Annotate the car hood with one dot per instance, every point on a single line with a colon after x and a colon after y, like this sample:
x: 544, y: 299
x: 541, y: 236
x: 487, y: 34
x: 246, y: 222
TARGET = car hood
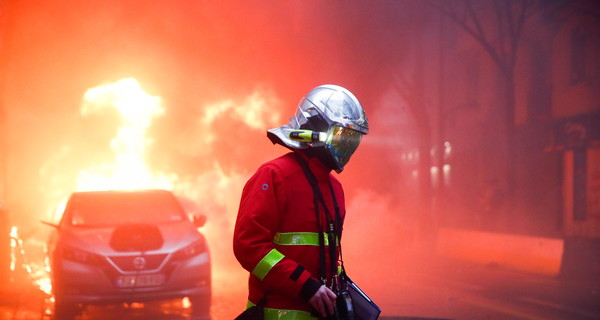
x: 173, y: 236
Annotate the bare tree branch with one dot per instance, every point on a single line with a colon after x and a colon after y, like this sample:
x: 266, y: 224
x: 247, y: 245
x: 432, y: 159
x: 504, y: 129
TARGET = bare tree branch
x: 404, y: 87
x: 508, y: 9
x: 516, y: 29
x: 478, y: 36
x: 476, y: 22
x: 500, y: 29
x: 511, y: 16
x: 407, y: 89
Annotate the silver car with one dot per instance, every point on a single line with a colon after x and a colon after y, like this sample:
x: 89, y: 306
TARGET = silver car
x: 128, y: 246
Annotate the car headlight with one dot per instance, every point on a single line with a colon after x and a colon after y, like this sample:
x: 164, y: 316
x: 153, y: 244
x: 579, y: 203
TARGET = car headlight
x: 191, y: 250
x: 69, y: 253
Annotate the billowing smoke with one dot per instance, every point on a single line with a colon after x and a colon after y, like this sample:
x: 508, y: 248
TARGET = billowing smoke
x: 210, y: 63
x: 224, y: 72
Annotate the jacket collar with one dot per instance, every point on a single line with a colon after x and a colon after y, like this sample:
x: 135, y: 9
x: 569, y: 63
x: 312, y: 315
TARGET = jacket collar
x: 315, y: 165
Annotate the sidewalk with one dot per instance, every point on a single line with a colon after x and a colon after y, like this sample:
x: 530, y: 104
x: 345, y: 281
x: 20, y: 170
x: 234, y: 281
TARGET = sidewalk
x: 418, y: 284
x: 576, y: 259
x: 20, y: 299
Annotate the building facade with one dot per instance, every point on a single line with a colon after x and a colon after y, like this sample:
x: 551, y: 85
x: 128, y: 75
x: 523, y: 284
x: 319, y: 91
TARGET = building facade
x: 552, y: 152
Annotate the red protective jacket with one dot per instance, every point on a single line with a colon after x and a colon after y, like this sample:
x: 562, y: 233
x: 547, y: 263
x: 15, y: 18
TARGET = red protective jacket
x: 276, y: 236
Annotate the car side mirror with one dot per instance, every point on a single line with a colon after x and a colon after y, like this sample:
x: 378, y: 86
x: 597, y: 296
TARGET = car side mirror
x: 199, y: 220
x: 50, y: 224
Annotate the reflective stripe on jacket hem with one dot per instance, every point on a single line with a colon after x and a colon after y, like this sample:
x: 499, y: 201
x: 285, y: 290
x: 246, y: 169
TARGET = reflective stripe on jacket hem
x: 266, y: 263
x: 281, y: 314
x: 284, y: 314
x: 299, y: 238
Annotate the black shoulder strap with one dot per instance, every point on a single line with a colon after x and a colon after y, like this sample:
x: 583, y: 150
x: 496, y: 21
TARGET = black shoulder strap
x: 317, y: 191
x: 333, y: 228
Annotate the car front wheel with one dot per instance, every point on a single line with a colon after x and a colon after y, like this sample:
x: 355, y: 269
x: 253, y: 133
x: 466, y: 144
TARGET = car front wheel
x: 200, y: 306
x: 65, y: 311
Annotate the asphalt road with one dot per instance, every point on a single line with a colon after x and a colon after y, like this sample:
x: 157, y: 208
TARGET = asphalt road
x: 405, y: 287
x: 435, y: 288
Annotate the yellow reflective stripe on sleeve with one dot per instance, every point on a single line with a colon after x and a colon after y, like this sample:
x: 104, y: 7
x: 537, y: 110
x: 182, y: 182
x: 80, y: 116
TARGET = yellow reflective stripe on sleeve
x: 282, y: 314
x: 266, y: 263
x: 299, y: 238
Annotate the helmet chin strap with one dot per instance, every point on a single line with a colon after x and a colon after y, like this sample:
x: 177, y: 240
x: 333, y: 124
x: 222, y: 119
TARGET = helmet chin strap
x: 324, y: 156
x: 319, y: 152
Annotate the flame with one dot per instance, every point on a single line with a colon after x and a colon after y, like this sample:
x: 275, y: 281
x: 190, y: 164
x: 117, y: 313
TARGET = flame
x: 137, y: 109
x: 20, y: 261
x: 256, y: 112
x: 14, y: 248
x: 214, y: 192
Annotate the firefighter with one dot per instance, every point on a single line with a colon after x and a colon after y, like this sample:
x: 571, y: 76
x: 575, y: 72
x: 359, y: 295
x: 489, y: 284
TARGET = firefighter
x: 277, y: 231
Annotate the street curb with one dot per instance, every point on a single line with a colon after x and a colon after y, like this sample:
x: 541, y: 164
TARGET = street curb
x: 537, y: 255
x: 410, y: 318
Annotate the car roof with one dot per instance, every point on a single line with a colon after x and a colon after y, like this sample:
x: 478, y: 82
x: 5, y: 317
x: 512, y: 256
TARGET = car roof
x: 118, y: 192
x: 108, y: 195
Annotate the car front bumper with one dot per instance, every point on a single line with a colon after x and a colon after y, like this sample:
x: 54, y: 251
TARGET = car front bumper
x: 81, y: 283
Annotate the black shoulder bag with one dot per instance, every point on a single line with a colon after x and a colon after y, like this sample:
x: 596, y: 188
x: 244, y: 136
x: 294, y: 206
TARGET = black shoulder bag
x: 352, y: 303
x: 255, y: 312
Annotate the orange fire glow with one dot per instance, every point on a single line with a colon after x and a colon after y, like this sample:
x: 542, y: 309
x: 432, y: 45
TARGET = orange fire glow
x: 214, y: 191
x: 137, y: 109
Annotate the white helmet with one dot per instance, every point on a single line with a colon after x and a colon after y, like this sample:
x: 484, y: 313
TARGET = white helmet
x: 330, y: 123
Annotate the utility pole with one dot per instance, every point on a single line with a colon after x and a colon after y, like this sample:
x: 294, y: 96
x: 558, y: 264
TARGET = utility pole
x: 440, y: 200
x: 3, y: 124
x: 4, y: 213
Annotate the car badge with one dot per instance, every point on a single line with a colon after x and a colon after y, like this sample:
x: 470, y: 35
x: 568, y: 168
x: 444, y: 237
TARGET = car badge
x: 139, y: 263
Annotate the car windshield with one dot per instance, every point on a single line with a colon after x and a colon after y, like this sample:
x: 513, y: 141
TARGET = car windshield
x: 96, y: 209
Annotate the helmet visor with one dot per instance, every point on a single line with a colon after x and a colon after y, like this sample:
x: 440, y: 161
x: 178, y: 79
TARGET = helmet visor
x: 341, y: 143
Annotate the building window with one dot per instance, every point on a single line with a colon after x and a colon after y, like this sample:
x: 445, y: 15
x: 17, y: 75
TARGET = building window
x: 473, y: 81
x: 539, y: 96
x: 593, y: 184
x: 578, y: 56
x: 580, y: 184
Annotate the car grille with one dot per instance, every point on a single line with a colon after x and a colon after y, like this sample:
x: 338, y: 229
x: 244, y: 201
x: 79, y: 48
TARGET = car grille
x: 138, y: 262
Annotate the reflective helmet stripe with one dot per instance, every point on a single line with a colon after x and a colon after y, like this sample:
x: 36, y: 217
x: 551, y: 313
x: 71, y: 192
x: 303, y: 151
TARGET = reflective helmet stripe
x: 299, y: 239
x: 266, y: 263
